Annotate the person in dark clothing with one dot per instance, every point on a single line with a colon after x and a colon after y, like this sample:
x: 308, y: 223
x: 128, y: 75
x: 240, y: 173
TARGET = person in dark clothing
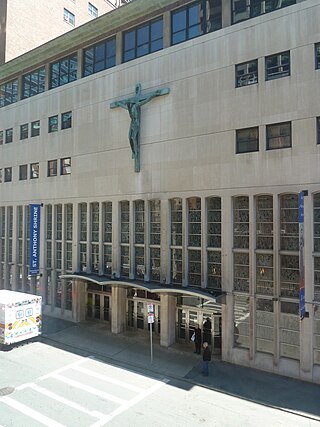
x: 207, y: 331
x: 197, y: 339
x: 206, y: 357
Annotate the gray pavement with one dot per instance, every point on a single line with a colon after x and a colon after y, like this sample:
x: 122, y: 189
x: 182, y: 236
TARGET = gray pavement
x: 180, y: 363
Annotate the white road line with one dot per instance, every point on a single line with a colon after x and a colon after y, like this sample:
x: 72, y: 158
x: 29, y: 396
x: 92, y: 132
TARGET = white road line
x: 65, y: 368
x: 108, y: 379
x: 89, y: 389
x: 61, y: 399
x: 129, y: 404
x: 30, y: 412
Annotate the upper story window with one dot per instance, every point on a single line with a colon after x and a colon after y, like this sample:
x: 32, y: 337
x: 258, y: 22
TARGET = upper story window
x: 1, y: 137
x: 247, y: 140
x: 23, y: 172
x: 278, y: 136
x: 9, y: 136
x: 93, y: 11
x: 8, y: 174
x: 65, y: 166
x: 198, y: 18
x: 99, y: 57
x: 278, y: 65
x: 34, y: 170
x: 52, y: 167
x: 35, y: 128
x: 9, y: 93
x: 63, y: 71
x: 69, y: 17
x: 53, y: 124
x: 318, y: 130
x: 317, y: 55
x: 142, y: 40
x: 24, y: 131
x: 33, y: 83
x: 247, y: 73
x: 246, y: 9
x: 66, y: 120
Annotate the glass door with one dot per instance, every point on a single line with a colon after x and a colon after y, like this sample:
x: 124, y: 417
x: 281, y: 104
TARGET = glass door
x: 140, y: 315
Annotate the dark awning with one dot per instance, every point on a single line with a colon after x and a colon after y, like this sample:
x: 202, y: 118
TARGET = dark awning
x: 216, y: 296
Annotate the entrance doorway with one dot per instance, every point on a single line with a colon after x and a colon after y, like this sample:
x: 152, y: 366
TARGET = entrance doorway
x: 137, y: 315
x: 98, y: 307
x: 207, y: 316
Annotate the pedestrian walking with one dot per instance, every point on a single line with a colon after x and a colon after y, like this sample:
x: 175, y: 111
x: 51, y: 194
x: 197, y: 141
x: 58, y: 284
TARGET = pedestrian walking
x: 206, y: 357
x: 197, y: 339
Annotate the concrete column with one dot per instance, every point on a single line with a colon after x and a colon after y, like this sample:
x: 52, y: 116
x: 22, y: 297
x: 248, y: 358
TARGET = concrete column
x: 204, y: 264
x: 79, y: 290
x: 185, y: 231
x: 227, y: 328
x: 119, y: 38
x: 79, y: 63
x: 115, y: 238
x: 146, y: 240
x: 166, y: 30
x: 15, y: 249
x: 167, y: 319
x: 131, y: 239
x: 226, y: 13
x: 118, y: 309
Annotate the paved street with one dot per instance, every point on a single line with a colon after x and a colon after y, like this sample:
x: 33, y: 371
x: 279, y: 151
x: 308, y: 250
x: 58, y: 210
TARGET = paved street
x: 54, y: 387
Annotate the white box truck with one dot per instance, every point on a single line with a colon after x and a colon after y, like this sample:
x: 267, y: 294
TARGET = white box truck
x: 20, y: 316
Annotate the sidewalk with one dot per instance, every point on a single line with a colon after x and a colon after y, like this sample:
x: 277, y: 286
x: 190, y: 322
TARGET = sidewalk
x: 133, y: 351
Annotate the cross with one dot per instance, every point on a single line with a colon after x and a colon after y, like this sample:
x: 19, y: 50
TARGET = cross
x: 133, y: 105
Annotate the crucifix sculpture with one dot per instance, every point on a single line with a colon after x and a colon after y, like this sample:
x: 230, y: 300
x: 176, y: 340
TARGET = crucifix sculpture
x: 133, y: 105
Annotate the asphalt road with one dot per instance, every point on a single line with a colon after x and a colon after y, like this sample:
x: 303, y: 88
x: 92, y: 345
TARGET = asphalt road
x: 43, y: 385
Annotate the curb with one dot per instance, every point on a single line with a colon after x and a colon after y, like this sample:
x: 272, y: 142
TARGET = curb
x: 116, y: 362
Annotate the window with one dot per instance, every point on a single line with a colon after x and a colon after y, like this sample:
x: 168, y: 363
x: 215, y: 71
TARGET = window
x: 99, y: 57
x: 247, y: 73
x: 279, y: 136
x: 52, y: 168
x: 9, y: 93
x: 289, y: 330
x: 65, y: 166
x: 188, y: 22
x: 139, y: 230
x: 278, y: 65
x: 23, y: 172
x: 9, y: 136
x: 246, y: 9
x: 318, y: 130
x: 176, y: 241
x: 53, y: 124
x: 24, y: 131
x: 8, y: 174
x: 241, y: 318
x: 35, y: 128
x: 33, y: 83
x: 265, y: 320
x: 143, y: 40
x: 1, y: 137
x: 124, y: 238
x: 66, y: 120
x: 214, y: 242
x: 69, y: 17
x: 247, y: 140
x: 34, y: 170
x: 317, y: 55
x: 107, y: 238
x: 93, y: 11
x: 63, y: 71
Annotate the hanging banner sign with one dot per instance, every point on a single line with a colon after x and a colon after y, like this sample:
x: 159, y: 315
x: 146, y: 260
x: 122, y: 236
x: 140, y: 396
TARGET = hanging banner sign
x: 34, y: 240
x: 302, y: 305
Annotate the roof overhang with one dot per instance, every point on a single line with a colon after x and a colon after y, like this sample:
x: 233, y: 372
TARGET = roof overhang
x: 216, y: 296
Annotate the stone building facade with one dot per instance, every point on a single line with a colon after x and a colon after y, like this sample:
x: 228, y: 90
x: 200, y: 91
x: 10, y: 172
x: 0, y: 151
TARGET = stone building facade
x: 209, y: 227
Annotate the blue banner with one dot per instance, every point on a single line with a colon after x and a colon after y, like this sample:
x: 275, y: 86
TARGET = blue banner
x: 302, y: 305
x: 34, y: 240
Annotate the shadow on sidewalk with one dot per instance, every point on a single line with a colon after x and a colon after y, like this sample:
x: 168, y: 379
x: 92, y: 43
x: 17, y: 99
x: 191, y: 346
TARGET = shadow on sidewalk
x: 132, y: 352
x: 262, y: 387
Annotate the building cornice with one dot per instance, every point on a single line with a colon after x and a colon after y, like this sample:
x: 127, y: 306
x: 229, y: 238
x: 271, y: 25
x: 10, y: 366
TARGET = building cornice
x: 100, y: 28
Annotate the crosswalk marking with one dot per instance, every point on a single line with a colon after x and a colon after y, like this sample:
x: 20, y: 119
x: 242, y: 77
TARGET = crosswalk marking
x: 129, y: 404
x: 61, y: 399
x: 89, y: 389
x: 108, y: 379
x: 27, y: 411
x: 60, y: 370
